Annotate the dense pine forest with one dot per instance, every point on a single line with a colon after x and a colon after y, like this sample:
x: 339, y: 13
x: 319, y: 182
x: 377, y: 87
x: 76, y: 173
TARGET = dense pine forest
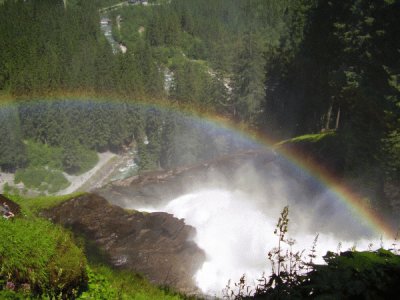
x: 285, y: 68
x: 82, y: 77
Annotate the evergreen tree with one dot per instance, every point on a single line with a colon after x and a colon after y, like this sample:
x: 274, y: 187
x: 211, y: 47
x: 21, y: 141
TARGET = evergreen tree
x: 12, y: 149
x: 249, y: 79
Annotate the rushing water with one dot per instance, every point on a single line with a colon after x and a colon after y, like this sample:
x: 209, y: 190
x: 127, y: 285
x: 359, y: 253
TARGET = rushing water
x: 236, y: 236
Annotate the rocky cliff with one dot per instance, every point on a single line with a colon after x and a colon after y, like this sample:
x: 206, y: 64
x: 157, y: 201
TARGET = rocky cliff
x: 156, y: 245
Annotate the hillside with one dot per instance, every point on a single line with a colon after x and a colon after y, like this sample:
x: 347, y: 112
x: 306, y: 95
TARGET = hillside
x: 39, y: 259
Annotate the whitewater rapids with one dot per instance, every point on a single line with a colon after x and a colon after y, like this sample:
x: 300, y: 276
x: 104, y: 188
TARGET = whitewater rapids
x: 236, y: 236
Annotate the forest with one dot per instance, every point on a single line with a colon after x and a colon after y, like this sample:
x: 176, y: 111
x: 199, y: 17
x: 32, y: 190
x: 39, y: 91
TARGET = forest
x: 321, y: 76
x: 285, y: 68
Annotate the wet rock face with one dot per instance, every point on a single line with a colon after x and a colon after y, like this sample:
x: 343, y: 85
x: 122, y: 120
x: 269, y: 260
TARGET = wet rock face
x: 156, y: 245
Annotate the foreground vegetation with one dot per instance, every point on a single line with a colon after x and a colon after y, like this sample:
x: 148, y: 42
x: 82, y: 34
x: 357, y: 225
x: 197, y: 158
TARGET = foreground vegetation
x: 346, y: 275
x: 41, y: 260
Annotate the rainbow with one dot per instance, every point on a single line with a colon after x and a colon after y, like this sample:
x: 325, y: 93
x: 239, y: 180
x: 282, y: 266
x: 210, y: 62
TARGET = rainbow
x: 354, y: 202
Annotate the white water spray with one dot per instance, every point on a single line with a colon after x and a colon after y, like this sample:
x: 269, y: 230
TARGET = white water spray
x: 236, y: 236
x: 235, y: 217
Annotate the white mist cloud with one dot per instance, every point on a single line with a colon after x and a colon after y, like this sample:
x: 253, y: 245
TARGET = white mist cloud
x: 230, y: 230
x: 237, y: 236
x: 235, y: 214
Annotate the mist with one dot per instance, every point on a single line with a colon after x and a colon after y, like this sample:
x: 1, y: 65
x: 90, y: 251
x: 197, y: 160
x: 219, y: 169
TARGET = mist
x: 235, y: 215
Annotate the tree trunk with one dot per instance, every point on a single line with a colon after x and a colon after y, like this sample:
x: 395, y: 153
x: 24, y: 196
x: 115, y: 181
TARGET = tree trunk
x: 337, y: 119
x: 328, y: 116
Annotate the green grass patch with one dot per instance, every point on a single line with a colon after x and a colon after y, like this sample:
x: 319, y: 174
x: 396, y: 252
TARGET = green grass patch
x: 307, y: 138
x: 106, y: 283
x: 32, y: 206
x: 39, y: 258
x: 365, y: 260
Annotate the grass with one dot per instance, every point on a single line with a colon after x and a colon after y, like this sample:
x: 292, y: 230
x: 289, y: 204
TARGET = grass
x: 307, y: 138
x: 106, y: 283
x: 35, y: 253
x: 40, y: 260
x: 32, y: 206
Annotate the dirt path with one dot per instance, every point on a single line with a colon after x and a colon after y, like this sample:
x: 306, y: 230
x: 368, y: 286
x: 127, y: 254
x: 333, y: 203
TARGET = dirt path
x: 87, y: 179
x: 94, y: 178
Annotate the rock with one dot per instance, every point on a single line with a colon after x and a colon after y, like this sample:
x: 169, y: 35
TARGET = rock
x: 155, y: 188
x: 14, y: 207
x: 157, y: 245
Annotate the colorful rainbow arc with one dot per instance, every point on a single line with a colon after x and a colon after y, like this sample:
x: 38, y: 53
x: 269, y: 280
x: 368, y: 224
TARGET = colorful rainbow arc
x: 351, y: 200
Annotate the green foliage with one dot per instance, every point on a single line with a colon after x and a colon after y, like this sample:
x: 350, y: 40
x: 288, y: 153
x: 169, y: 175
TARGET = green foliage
x: 42, y: 155
x: 12, y: 149
x: 34, y: 205
x: 249, y: 79
x: 392, y: 153
x: 308, y: 138
x: 346, y: 275
x: 42, y: 179
x: 362, y: 275
x: 351, y: 83
x: 77, y: 159
x: 105, y: 283
x: 326, y: 148
x: 37, y: 254
x: 40, y: 260
x: 98, y: 288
